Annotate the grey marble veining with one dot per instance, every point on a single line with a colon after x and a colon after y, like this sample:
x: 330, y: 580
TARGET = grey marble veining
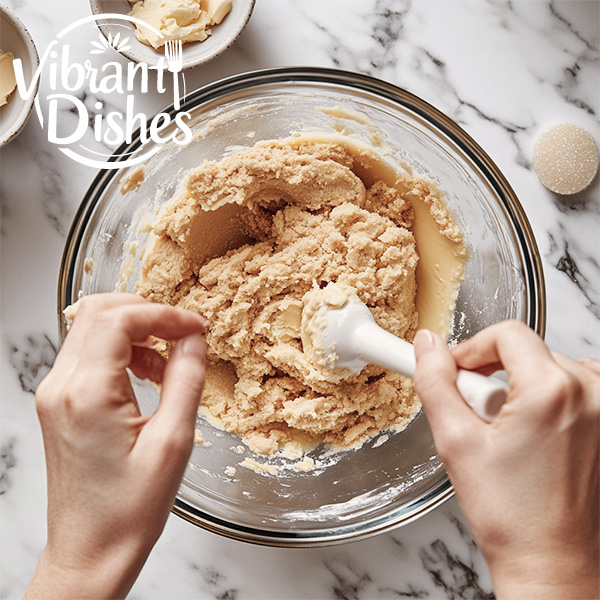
x: 504, y: 71
x: 7, y: 462
x: 32, y: 358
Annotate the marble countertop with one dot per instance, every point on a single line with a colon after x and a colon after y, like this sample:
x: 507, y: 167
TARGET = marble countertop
x: 504, y: 71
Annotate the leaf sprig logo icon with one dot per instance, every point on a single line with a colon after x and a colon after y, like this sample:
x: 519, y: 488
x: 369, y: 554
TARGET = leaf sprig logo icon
x: 120, y: 45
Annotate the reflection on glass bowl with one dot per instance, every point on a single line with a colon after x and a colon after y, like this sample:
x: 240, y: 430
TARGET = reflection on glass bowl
x: 397, y: 476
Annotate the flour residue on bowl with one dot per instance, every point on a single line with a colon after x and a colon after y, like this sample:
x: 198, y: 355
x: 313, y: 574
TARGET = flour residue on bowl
x: 246, y: 238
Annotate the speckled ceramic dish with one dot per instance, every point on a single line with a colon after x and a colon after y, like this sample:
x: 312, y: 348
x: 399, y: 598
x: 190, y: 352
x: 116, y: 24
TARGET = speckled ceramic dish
x: 15, y: 38
x: 397, y: 476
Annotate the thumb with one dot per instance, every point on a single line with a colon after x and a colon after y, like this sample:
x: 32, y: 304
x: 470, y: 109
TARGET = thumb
x: 182, y: 385
x: 435, y: 382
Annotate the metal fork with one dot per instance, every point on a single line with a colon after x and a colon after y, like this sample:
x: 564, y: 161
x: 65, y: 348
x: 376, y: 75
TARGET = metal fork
x: 174, y: 57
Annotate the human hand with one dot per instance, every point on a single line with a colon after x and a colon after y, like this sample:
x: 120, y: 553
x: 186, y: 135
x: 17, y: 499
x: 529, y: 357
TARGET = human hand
x: 528, y: 482
x: 113, y: 473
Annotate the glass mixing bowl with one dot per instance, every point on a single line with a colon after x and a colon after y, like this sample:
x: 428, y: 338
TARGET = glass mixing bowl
x: 395, y: 477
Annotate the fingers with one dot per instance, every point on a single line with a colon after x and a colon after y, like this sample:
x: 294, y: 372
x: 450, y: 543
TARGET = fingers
x: 182, y: 385
x: 509, y: 345
x: 85, y: 309
x: 435, y: 381
x: 546, y: 388
x: 107, y: 325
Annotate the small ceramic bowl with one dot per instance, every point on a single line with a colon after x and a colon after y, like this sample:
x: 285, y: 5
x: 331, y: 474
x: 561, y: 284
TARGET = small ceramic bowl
x: 194, y: 53
x: 16, y: 39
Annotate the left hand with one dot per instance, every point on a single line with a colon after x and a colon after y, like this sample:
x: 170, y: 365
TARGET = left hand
x: 113, y: 473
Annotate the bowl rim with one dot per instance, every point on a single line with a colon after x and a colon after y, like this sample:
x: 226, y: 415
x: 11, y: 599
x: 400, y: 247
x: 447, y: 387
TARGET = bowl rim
x: 34, y: 61
x: 317, y: 537
x: 532, y: 267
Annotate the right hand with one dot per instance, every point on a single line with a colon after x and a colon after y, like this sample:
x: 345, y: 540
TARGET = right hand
x: 528, y: 482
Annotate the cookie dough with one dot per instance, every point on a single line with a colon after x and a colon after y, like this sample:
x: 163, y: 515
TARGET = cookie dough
x: 315, y: 343
x: 246, y: 238
x: 133, y: 181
